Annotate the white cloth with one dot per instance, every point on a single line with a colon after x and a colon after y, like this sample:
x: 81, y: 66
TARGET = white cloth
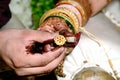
x: 21, y: 15
x: 14, y: 22
x: 88, y: 49
x: 112, y: 11
x: 22, y: 10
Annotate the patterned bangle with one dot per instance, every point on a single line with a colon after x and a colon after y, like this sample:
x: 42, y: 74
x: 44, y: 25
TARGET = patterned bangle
x: 83, y: 7
x: 64, y: 17
x: 73, y: 17
x: 69, y: 15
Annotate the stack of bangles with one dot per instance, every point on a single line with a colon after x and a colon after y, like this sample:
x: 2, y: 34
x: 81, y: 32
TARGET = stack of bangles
x: 75, y: 13
x: 67, y: 17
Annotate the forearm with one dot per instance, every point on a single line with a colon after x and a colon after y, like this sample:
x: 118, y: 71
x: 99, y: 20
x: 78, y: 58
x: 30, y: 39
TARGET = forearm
x: 98, y: 5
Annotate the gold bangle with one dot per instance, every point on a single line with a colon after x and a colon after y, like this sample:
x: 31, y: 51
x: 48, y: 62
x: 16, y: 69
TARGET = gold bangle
x: 73, y: 4
x: 65, y: 18
x: 83, y: 7
x: 73, y: 17
x: 65, y: 11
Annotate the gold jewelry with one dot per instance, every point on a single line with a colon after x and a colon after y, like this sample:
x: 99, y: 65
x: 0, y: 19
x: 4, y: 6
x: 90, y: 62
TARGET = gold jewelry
x: 83, y: 7
x: 66, y: 18
x: 72, y: 17
x: 60, y: 40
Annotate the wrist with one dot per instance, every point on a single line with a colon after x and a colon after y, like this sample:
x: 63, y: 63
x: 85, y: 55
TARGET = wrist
x: 76, y: 12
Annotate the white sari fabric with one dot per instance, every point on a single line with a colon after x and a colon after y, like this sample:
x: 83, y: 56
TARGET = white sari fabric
x: 88, y: 50
x: 112, y: 11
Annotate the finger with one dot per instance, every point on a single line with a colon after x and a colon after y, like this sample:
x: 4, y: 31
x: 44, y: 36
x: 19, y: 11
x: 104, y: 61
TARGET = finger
x: 44, y: 59
x: 47, y: 48
x: 41, y: 36
x: 41, y: 70
x: 47, y: 28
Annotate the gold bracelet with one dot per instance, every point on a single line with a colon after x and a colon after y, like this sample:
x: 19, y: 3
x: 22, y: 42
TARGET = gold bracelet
x: 66, y: 12
x: 65, y: 18
x: 79, y: 9
x: 73, y: 17
x: 83, y: 7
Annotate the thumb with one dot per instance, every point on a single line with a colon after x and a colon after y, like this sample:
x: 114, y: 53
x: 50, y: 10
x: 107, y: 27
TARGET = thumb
x: 42, y: 36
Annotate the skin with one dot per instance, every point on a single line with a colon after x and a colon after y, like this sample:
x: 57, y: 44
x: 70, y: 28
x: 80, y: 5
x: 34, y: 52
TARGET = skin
x: 97, y: 5
x: 13, y: 51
